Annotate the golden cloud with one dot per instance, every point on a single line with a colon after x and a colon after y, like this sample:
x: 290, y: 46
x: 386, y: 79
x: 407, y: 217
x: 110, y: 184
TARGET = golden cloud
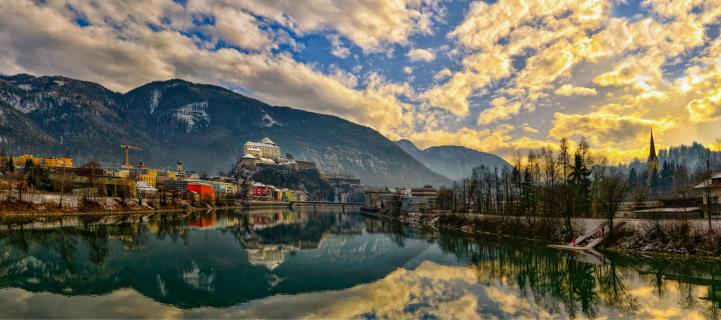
x: 705, y: 109
x: 608, y: 132
x: 500, y: 110
x: 569, y: 90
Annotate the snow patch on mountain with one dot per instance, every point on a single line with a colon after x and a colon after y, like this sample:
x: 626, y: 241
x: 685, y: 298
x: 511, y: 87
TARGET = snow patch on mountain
x: 192, y: 116
x: 25, y: 87
x: 154, y: 100
x: 268, y: 121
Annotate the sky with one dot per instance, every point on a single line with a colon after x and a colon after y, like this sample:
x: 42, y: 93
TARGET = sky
x: 495, y: 76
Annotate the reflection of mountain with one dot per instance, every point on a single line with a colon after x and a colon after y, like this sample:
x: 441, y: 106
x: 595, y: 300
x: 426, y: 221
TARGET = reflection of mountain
x: 174, y: 263
x: 502, y: 280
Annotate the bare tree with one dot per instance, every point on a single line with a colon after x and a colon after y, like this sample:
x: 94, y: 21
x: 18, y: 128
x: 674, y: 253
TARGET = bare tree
x: 612, y: 190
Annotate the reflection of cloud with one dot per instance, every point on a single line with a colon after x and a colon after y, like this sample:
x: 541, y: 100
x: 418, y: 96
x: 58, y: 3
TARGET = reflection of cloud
x: 430, y: 290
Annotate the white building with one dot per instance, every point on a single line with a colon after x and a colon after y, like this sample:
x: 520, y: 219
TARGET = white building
x: 264, y: 150
x: 711, y: 192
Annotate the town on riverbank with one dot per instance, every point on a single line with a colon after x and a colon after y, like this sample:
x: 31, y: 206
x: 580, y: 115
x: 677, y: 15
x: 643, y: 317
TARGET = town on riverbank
x: 262, y: 177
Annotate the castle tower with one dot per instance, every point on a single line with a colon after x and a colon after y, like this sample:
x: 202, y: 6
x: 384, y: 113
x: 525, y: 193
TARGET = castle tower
x: 652, y: 161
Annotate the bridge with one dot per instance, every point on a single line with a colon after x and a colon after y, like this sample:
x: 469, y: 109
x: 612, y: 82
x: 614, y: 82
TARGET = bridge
x: 316, y: 204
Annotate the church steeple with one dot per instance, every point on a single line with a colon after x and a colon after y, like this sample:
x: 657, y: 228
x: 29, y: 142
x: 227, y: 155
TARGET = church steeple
x: 652, y: 149
x: 652, y: 161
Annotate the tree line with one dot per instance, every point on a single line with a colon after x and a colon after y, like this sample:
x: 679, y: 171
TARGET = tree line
x: 560, y: 184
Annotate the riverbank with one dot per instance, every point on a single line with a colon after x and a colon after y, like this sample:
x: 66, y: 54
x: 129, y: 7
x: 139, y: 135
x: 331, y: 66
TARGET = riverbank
x: 689, y: 237
x: 59, y: 205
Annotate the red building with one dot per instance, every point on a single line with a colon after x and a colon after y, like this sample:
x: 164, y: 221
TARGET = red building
x: 260, y: 190
x: 205, y: 191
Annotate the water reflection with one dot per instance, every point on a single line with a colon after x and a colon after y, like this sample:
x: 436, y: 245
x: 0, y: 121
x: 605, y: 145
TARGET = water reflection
x: 287, y: 264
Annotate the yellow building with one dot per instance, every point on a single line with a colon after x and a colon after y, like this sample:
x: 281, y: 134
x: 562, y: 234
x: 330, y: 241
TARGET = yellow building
x: 149, y: 176
x: 57, y: 162
x: 265, y: 149
x: 60, y: 162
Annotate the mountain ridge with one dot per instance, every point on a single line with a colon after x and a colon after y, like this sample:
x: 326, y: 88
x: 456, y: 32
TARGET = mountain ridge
x: 203, y: 125
x: 454, y: 162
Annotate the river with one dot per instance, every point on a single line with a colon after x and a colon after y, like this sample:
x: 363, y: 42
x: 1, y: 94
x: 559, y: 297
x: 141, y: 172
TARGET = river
x: 325, y: 264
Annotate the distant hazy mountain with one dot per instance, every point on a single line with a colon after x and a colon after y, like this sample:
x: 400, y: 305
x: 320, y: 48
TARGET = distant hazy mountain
x: 203, y: 125
x: 453, y: 162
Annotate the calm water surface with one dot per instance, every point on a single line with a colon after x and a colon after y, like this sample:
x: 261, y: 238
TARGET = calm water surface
x: 291, y: 264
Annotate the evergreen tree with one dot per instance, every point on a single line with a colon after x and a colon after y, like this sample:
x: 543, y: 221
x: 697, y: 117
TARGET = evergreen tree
x: 11, y: 165
x: 29, y: 166
x: 579, y: 179
x: 654, y: 182
x: 632, y: 177
x: 666, y: 177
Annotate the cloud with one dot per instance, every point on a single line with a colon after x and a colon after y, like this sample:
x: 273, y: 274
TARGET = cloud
x: 367, y: 23
x: 658, y: 66
x: 55, y: 45
x: 569, y: 90
x: 527, y: 128
x: 500, y: 109
x: 442, y: 74
x: 705, y: 109
x: 337, y: 48
x: 479, y: 70
x: 606, y: 129
x: 636, y: 71
x: 421, y: 55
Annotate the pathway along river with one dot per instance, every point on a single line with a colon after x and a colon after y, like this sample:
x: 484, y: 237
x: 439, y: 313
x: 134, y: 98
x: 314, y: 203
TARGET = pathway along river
x: 290, y: 264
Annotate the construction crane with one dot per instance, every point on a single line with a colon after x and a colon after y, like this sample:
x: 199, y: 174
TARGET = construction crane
x: 125, y: 147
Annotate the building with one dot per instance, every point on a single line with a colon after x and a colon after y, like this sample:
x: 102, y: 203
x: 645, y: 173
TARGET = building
x: 60, y: 162
x: 305, y: 165
x: 265, y: 149
x: 248, y: 161
x: 260, y: 190
x: 147, y: 175
x: 224, y: 189
x: 93, y: 178
x: 711, y: 192
x: 205, y: 191
x: 346, y: 189
x: 652, y: 161
x: 424, y: 196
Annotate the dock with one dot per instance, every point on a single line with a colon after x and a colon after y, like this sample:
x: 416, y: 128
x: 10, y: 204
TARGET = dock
x: 588, y: 240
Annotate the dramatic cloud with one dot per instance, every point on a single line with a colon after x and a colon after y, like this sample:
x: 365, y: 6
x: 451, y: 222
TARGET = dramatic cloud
x: 407, y: 68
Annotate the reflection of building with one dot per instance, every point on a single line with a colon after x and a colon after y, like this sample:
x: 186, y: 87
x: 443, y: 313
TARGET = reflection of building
x: 269, y: 256
x: 264, y: 150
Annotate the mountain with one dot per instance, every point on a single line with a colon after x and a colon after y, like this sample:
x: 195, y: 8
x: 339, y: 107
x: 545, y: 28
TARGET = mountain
x: 454, y: 162
x: 204, y: 126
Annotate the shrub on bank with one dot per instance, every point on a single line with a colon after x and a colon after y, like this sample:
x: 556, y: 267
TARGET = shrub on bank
x: 546, y: 229
x: 677, y: 237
